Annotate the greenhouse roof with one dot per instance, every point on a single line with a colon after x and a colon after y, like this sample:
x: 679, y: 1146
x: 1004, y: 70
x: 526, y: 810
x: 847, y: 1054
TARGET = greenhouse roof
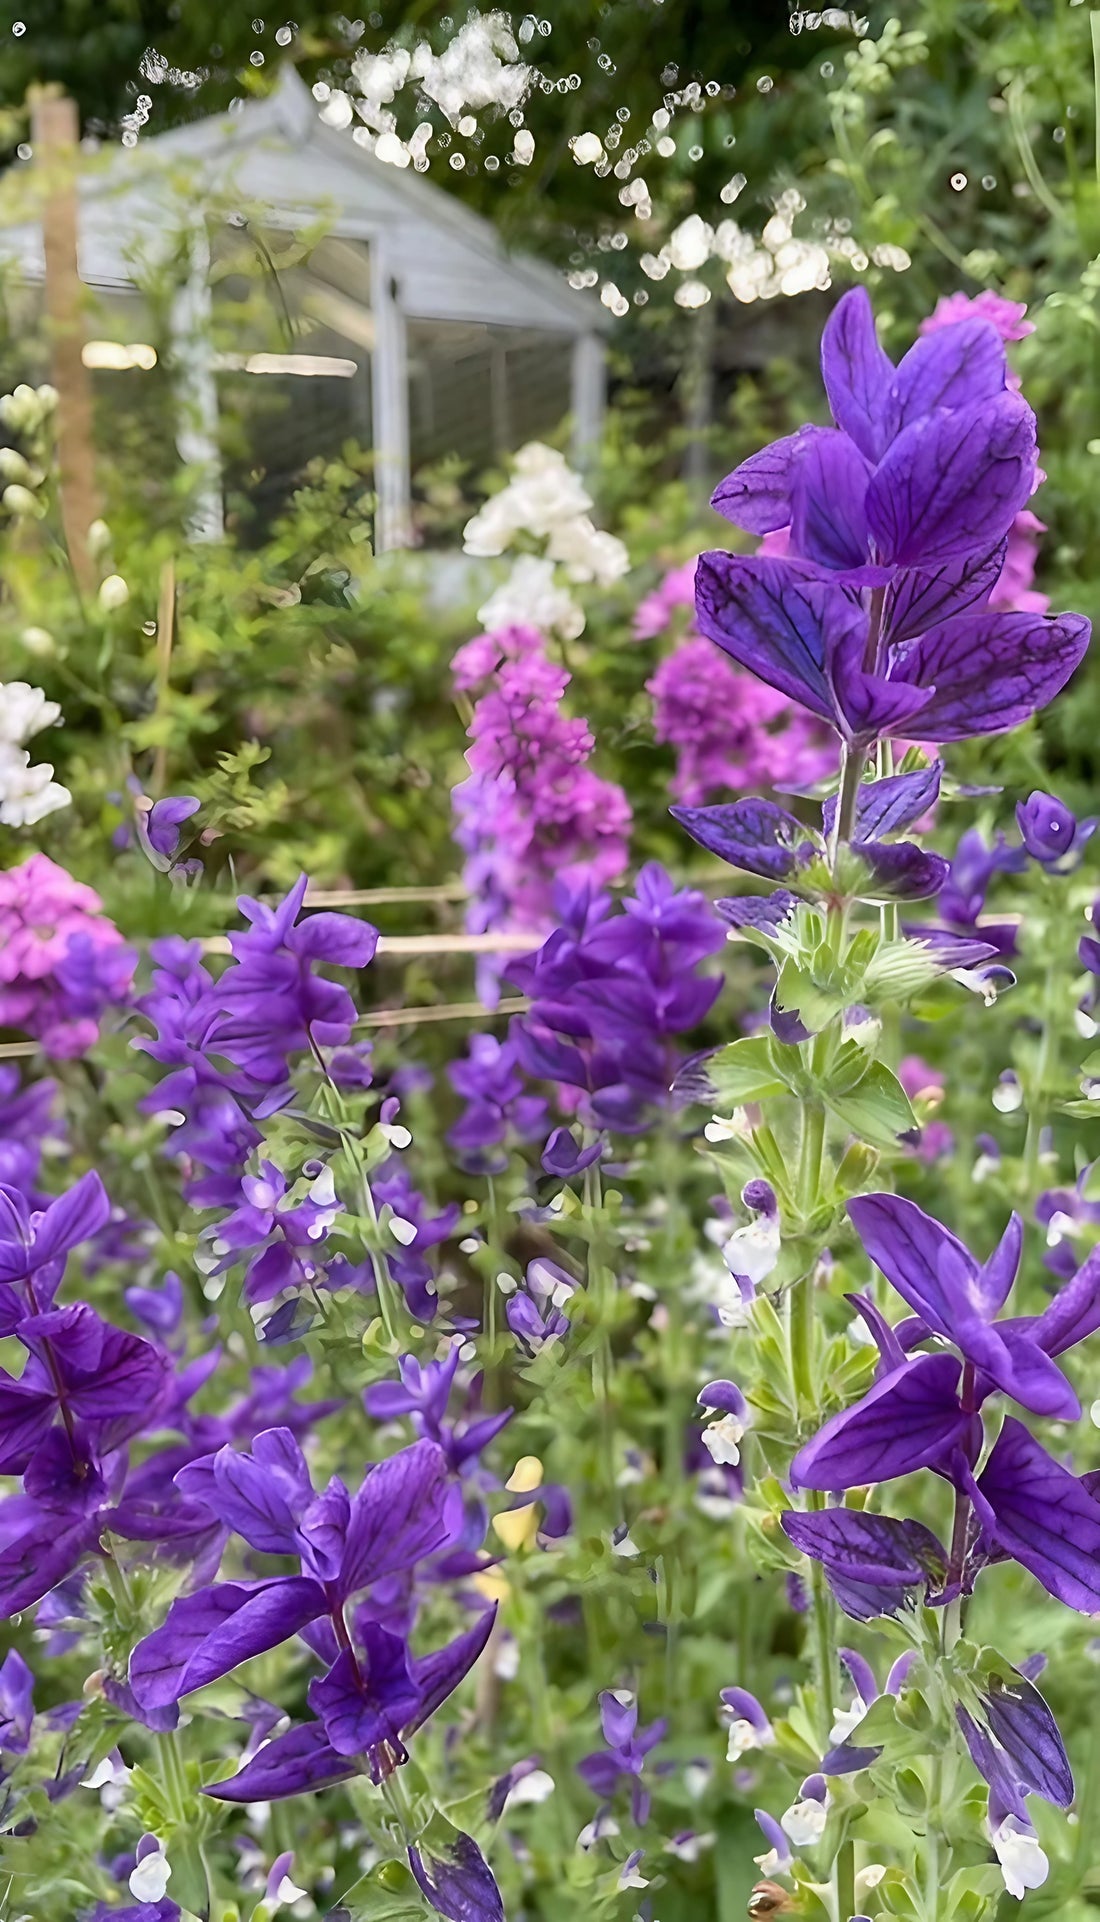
x: 277, y: 153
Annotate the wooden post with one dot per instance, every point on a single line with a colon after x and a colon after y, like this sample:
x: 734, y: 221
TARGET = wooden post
x: 55, y: 132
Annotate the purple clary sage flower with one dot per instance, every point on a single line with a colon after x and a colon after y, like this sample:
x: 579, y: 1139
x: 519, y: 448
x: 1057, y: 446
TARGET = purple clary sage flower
x: 491, y: 1084
x: 625, y: 1753
x: 424, y: 1392
x: 878, y: 620
x: 159, y: 825
x: 404, y: 1509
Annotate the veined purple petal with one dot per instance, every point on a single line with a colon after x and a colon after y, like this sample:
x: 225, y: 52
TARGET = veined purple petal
x: 362, y: 1710
x: 457, y: 1881
x: 71, y: 1219
x: 776, y: 622
x: 439, y: 1674
x: 1040, y: 1514
x: 929, y: 1266
x: 902, y: 871
x: 861, y: 1672
x: 990, y: 671
x: 757, y: 495
x: 909, y: 1420
x: 405, y: 1508
x: 952, y: 482
x: 992, y: 1763
x: 1075, y: 1311
x: 858, y: 372
x: 756, y: 836
x: 882, y: 807
x: 956, y: 367
x: 763, y: 911
x: 876, y: 1549
x: 297, y: 1763
x: 1021, y: 1722
x: 828, y: 520
x: 207, y: 1634
x: 923, y: 598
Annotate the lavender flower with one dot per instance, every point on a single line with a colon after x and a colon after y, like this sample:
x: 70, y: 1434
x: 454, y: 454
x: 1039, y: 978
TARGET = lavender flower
x: 625, y: 1753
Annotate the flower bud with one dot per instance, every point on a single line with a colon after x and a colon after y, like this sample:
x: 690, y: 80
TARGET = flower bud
x: 1051, y: 834
x: 38, y: 640
x: 20, y: 501
x: 113, y: 593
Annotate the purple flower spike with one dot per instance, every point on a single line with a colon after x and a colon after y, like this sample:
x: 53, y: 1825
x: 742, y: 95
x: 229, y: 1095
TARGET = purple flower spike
x: 16, y: 1703
x: 1051, y: 834
x: 624, y: 1756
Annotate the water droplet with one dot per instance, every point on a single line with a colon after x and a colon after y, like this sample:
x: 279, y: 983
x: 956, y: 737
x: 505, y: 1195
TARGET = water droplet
x: 827, y: 69
x: 640, y: 299
x: 257, y: 26
x: 1058, y: 136
x: 730, y: 140
x: 458, y: 161
x: 19, y: 28
x: 491, y: 163
x: 283, y: 37
x: 544, y: 28
x: 989, y: 181
x: 765, y: 83
x: 467, y: 125
x: 666, y: 147
x: 24, y: 151
x: 622, y: 114
x: 605, y: 62
x: 958, y: 182
x: 256, y: 59
x: 148, y: 627
x: 618, y: 241
x: 695, y: 153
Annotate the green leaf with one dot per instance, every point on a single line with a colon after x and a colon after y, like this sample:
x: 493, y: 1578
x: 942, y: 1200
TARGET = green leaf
x: 877, y: 1109
x: 744, y: 1071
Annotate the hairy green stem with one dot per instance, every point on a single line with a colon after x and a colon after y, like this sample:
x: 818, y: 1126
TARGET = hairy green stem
x: 844, y: 1880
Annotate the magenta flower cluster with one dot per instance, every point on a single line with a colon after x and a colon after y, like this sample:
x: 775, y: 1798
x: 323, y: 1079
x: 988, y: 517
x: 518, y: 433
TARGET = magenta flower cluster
x: 533, y: 810
x: 62, y: 962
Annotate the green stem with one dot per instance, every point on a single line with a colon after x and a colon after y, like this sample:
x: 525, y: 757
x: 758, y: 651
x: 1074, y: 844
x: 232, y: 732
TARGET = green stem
x: 932, y: 1838
x: 1044, y: 1073
x: 1094, y: 26
x: 824, y: 1661
x: 844, y: 1876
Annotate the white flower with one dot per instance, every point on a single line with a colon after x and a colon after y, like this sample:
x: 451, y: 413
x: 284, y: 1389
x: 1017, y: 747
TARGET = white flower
x: 721, y: 1439
x: 1023, y: 1864
x: 752, y: 1251
x: 149, y: 1880
x: 492, y: 528
x: 744, y: 1735
x: 847, y: 1720
x: 24, y: 710
x: 805, y: 1822
x: 531, y: 1788
x: 113, y: 593
x: 27, y: 794
x: 530, y: 597
x: 588, y: 552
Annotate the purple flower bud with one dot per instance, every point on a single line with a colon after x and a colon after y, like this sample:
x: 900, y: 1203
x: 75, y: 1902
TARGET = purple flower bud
x: 1051, y: 834
x: 778, y: 1858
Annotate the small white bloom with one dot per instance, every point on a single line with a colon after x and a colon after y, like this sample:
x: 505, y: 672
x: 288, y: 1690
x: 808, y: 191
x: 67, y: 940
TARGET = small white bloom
x: 869, y: 1878
x: 98, y: 537
x: 289, y: 1891
x: 588, y: 553
x: 531, y: 597
x: 623, y: 1546
x: 805, y: 1822
x: 601, y: 1827
x: 402, y: 1230
x: 149, y: 1880
x: 24, y: 710
x: 535, y: 1788
x: 690, y: 1847
x: 722, y: 1440
x: 113, y: 593
x: 753, y: 1251
x: 847, y: 1719
x: 744, y: 1735
x: 27, y: 794
x: 1023, y: 1864
x: 506, y: 1659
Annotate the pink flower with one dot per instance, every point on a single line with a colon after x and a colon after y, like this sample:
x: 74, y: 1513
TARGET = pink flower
x: 729, y: 730
x: 653, y: 615
x: 62, y: 962
x: 1007, y: 316
x: 918, y: 1079
x: 479, y: 658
